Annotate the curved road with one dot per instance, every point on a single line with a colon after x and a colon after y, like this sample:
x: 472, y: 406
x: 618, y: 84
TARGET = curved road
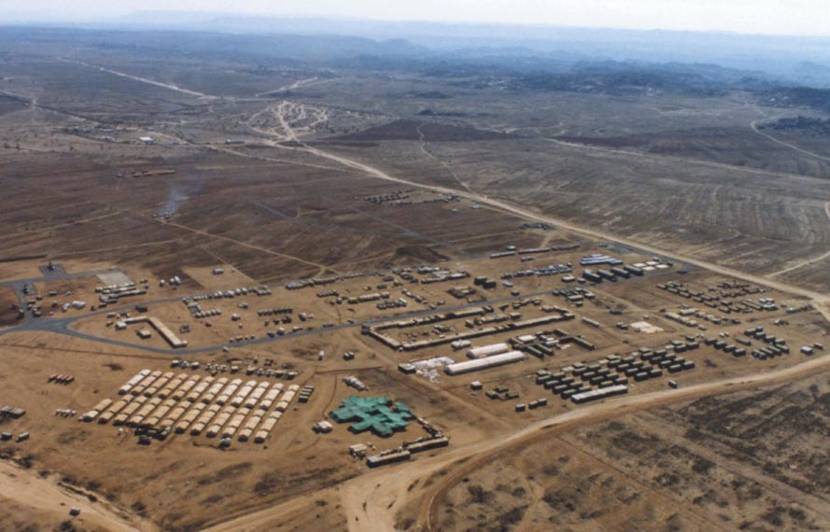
x: 820, y: 299
x: 371, y: 508
x: 28, y: 488
x: 372, y: 500
x: 64, y: 325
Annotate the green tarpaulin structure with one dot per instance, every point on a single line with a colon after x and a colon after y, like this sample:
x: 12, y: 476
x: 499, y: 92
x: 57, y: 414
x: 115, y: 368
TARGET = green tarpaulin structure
x: 378, y: 414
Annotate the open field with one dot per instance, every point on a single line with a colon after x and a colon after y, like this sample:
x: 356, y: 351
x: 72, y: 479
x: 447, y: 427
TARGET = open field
x: 729, y: 472
x: 320, y: 231
x: 711, y: 216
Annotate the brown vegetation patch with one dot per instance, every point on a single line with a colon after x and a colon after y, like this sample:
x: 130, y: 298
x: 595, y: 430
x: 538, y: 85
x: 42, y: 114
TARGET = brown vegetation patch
x: 9, y: 312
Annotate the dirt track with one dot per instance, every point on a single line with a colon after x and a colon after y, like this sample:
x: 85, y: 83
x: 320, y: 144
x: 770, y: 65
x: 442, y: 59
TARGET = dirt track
x: 155, y: 83
x: 267, y: 251
x: 806, y: 262
x: 372, y: 501
x: 754, y: 126
x: 443, y: 163
x: 25, y: 487
x: 820, y: 300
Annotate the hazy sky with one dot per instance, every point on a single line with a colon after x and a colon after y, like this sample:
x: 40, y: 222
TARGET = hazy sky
x: 793, y: 17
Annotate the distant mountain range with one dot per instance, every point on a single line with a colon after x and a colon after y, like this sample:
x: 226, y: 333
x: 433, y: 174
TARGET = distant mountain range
x: 609, y: 43
x: 799, y: 60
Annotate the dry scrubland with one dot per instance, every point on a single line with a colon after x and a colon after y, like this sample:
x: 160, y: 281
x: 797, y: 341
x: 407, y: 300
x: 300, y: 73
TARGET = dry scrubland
x: 750, y: 461
x: 736, y: 217
x: 281, y: 170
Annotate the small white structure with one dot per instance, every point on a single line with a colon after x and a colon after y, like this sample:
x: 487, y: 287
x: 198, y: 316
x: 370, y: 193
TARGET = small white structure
x: 358, y: 450
x: 323, y: 427
x: 645, y: 327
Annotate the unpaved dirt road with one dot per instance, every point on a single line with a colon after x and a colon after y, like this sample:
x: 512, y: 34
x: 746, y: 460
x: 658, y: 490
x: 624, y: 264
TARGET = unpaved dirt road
x: 447, y: 166
x: 821, y: 300
x: 148, y: 81
x: 27, y: 488
x: 807, y: 262
x: 267, y: 251
x: 290, y: 87
x: 371, y: 501
x: 600, y: 412
x: 754, y: 126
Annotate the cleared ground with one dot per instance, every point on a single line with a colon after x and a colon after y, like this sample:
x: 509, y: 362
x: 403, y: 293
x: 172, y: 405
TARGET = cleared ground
x: 278, y: 171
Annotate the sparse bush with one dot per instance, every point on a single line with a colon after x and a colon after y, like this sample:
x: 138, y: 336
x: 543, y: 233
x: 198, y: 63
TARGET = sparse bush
x: 479, y: 495
x: 26, y: 461
x: 267, y: 484
x: 702, y: 466
x: 550, y: 470
x: 139, y: 508
x: 797, y: 514
x: 667, y: 479
x: 67, y: 526
x: 773, y: 516
x: 513, y: 516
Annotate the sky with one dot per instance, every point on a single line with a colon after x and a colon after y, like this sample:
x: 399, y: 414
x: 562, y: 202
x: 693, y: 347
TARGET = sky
x: 781, y: 17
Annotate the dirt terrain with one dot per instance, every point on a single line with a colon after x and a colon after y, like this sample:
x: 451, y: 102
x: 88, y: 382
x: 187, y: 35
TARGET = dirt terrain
x: 9, y: 313
x: 286, y: 217
x: 650, y: 469
x: 642, y: 472
x: 45, y: 500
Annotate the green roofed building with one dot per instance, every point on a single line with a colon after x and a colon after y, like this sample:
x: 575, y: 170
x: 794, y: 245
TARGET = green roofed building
x: 379, y: 414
